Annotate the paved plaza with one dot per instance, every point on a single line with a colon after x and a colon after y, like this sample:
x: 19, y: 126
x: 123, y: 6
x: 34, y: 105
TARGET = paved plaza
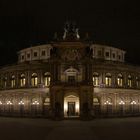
x: 43, y: 129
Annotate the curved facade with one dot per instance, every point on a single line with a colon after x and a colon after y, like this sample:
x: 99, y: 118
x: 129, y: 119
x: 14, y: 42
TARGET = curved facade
x: 70, y: 78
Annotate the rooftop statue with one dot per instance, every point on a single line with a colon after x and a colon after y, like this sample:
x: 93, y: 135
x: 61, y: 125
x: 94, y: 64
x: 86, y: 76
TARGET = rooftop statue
x: 70, y: 31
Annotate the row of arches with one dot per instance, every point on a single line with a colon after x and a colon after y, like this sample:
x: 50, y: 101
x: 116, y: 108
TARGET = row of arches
x: 120, y: 106
x: 23, y: 106
x: 22, y: 80
x: 120, y: 80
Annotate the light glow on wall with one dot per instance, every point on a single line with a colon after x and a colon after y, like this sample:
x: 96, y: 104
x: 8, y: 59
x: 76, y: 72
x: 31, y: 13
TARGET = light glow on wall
x: 9, y: 103
x: 107, y: 103
x: 121, y: 102
x: 35, y: 103
x: 21, y: 103
x: 133, y: 103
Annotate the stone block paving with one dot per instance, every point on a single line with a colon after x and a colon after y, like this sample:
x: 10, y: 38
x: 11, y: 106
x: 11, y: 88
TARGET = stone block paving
x: 43, y: 129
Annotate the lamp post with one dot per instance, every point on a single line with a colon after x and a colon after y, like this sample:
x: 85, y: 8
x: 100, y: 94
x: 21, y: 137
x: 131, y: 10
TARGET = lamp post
x: 35, y: 104
x: 121, y: 103
x: 0, y: 107
x: 108, y: 105
x: 21, y: 104
x: 133, y: 103
x: 9, y: 103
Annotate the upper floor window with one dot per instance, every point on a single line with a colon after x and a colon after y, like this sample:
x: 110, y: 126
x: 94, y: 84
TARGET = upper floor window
x: 34, y: 79
x: 35, y: 54
x: 137, y: 82
x: 108, y: 79
x: 47, y: 79
x: 99, y: 53
x: 119, y: 57
x: 129, y: 81
x: 120, y: 80
x: 71, y: 79
x: 95, y: 79
x: 113, y: 55
x: 13, y: 81
x: 107, y: 54
x: 28, y: 55
x: 71, y: 75
x: 22, y: 80
x: 43, y: 53
x: 5, y: 82
x: 22, y: 57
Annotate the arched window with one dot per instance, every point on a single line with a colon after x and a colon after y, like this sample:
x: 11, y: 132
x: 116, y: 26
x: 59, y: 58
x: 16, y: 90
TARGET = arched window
x: 47, y: 79
x: 108, y: 105
x: 137, y: 82
x: 22, y: 80
x: 120, y: 80
x: 95, y: 79
x: 13, y: 81
x: 129, y: 81
x: 96, y: 101
x: 34, y: 79
x: 108, y: 79
x: 47, y: 101
x: 71, y: 75
x: 4, y: 82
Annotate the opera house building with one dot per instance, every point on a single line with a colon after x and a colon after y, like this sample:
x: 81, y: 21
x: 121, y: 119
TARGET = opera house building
x: 70, y: 77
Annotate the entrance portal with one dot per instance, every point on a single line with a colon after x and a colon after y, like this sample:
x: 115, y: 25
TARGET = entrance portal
x: 71, y: 106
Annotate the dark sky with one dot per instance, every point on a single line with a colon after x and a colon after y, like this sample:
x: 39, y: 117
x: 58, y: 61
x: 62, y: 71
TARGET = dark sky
x: 26, y: 22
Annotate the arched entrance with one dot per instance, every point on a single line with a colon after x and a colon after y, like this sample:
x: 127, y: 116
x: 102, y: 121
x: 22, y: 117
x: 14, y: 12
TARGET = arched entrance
x: 71, y: 105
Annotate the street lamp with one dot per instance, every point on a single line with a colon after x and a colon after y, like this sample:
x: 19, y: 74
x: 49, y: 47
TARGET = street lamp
x: 9, y: 103
x: 133, y: 103
x: 21, y: 104
x: 108, y: 106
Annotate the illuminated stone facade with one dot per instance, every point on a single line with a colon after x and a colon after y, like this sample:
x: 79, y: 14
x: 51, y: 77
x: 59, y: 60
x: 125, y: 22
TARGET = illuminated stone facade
x: 70, y: 77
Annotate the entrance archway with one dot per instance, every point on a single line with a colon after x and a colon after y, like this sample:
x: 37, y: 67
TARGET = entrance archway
x: 71, y: 105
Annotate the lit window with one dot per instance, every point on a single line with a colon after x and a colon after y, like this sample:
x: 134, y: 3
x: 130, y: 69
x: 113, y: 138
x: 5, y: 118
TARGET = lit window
x: 47, y: 101
x: 22, y: 80
x: 96, y: 101
x: 120, y: 80
x: 129, y: 81
x: 95, y: 79
x: 13, y: 81
x: 47, y: 79
x: 108, y: 79
x: 34, y: 79
x: 137, y: 82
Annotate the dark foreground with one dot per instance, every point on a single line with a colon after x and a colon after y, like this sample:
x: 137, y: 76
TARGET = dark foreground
x: 43, y: 129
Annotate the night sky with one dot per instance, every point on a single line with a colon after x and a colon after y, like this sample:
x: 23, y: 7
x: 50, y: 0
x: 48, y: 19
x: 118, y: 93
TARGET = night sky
x: 26, y: 22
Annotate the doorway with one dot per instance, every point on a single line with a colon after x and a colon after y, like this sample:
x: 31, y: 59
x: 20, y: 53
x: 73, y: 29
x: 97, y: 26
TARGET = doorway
x: 71, y: 106
x: 71, y: 109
